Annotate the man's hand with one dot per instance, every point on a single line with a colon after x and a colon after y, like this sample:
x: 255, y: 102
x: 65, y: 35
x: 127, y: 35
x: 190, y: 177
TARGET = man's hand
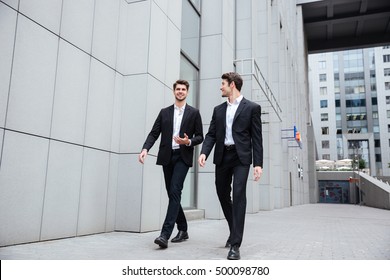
x: 142, y: 156
x: 202, y: 160
x: 258, y: 171
x: 182, y: 141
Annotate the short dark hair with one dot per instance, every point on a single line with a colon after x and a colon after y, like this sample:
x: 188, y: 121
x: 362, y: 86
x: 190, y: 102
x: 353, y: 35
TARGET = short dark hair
x: 233, y: 77
x: 181, y: 82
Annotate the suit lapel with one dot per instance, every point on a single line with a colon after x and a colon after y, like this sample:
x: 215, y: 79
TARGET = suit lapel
x: 187, y: 112
x: 224, y: 108
x: 170, y: 118
x: 240, y: 108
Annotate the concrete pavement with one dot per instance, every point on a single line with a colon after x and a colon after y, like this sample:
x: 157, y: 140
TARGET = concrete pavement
x: 304, y: 232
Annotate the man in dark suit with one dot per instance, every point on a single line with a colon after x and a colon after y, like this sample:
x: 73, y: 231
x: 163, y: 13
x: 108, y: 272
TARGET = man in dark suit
x: 180, y: 126
x: 236, y: 132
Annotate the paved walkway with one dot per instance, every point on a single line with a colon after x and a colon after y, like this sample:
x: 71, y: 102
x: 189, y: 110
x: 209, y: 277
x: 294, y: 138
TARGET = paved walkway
x: 305, y: 232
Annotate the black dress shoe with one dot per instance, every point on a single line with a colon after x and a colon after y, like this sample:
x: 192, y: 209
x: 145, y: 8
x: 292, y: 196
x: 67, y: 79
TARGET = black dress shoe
x: 161, y: 241
x: 234, y: 253
x: 181, y: 236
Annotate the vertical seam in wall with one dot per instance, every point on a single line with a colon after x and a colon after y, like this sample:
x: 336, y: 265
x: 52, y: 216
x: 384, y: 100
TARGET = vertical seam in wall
x: 120, y: 137
x: 112, y: 117
x: 117, y: 36
x: 109, y: 164
x: 120, y: 117
x: 85, y: 122
x: 197, y: 105
x: 235, y: 31
x: 9, y: 87
x: 107, y: 191
x: 166, y: 44
x: 147, y: 74
x: 150, y: 28
x: 51, y: 124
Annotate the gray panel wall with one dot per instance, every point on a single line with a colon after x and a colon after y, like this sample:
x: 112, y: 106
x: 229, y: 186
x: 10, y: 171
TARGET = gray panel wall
x: 81, y: 84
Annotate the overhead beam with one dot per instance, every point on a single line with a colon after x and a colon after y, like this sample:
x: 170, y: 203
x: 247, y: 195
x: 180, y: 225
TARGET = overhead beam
x: 344, y: 19
x: 373, y: 40
x: 323, y: 3
x: 301, y: 2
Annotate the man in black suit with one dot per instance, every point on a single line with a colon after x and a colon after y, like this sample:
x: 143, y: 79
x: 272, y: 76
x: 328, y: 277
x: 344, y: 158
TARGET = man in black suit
x: 180, y: 126
x: 236, y: 132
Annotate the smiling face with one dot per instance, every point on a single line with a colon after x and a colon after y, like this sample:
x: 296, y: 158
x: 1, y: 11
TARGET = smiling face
x: 180, y: 92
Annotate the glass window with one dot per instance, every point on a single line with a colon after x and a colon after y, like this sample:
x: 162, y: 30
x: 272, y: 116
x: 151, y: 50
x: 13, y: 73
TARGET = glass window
x: 324, y: 117
x: 325, y: 144
x: 326, y: 156
x: 356, y: 117
x: 321, y: 64
x: 325, y: 130
x: 386, y: 71
x: 324, y: 103
x: 337, y: 102
x: 355, y: 89
x: 190, y: 32
x: 190, y: 73
x: 355, y: 103
x: 386, y: 58
x: 387, y: 85
x: 387, y: 99
x: 322, y: 77
x: 354, y: 76
x: 323, y: 91
x: 372, y: 59
x: 377, y: 143
x: 189, y: 70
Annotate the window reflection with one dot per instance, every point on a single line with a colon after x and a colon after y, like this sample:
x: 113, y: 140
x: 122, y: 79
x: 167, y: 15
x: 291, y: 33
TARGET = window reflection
x: 189, y: 70
x: 190, y: 32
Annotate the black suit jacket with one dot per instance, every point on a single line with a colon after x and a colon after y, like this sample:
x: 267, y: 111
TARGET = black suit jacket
x: 191, y: 124
x: 246, y: 131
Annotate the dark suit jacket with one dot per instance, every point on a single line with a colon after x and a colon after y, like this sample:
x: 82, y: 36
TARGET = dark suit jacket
x: 191, y: 124
x: 246, y: 131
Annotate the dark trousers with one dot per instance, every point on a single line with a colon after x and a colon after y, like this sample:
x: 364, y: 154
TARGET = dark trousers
x: 174, y: 174
x: 231, y: 169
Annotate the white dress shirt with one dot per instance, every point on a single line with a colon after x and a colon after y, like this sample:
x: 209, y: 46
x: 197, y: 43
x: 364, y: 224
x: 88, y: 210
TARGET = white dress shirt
x: 230, y: 112
x: 177, y: 118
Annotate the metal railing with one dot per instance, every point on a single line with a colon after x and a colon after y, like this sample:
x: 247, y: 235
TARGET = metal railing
x: 254, y: 71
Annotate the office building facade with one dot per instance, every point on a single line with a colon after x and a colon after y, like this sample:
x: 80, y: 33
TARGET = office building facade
x: 350, y: 106
x: 83, y: 81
